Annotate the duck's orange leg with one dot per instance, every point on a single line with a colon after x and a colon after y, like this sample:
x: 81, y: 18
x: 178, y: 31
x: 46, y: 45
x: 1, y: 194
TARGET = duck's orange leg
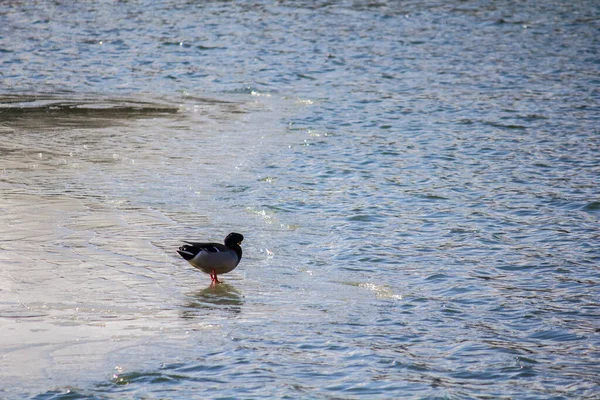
x: 213, y: 277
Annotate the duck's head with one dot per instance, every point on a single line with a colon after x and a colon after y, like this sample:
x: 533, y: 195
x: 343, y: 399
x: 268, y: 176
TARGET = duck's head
x: 234, y: 239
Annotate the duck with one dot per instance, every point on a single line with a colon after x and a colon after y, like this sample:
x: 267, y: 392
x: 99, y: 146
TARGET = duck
x: 214, y: 258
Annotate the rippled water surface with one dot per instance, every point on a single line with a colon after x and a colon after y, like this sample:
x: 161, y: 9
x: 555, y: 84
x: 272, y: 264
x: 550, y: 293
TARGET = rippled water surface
x: 417, y: 183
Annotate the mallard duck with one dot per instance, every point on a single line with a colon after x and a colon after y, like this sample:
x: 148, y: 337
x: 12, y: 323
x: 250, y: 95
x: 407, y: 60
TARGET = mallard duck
x: 214, y: 258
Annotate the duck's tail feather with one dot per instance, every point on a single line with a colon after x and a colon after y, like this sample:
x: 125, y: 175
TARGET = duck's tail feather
x: 184, y: 251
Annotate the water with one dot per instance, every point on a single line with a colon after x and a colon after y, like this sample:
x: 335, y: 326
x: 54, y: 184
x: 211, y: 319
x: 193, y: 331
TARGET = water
x: 417, y: 183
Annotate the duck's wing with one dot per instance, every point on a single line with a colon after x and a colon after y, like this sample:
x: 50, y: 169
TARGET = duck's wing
x: 191, y: 249
x: 208, y: 247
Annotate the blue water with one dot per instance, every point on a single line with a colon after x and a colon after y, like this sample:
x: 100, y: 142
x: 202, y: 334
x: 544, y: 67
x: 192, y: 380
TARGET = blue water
x: 417, y: 183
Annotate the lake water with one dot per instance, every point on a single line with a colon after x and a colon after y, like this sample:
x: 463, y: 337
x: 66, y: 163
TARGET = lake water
x: 417, y: 183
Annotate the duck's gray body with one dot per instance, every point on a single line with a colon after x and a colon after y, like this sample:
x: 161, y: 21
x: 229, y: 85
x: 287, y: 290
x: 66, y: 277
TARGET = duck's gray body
x: 214, y: 258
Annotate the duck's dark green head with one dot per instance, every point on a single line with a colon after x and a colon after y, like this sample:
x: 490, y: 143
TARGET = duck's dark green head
x: 233, y: 239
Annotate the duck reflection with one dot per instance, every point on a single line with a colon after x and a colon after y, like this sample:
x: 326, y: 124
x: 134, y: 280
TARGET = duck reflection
x: 215, y: 297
